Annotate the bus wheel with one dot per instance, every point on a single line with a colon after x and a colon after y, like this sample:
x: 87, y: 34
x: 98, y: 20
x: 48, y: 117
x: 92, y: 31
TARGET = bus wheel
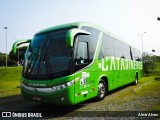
x: 101, y: 90
x: 136, y: 80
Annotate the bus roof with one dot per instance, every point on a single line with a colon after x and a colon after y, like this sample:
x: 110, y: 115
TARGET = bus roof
x: 79, y: 24
x: 69, y: 25
x: 76, y: 24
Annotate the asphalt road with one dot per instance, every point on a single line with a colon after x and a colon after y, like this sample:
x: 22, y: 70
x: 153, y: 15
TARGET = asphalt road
x: 130, y: 100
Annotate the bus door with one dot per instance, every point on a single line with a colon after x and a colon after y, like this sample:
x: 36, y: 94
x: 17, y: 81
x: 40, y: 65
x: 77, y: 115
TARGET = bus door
x: 82, y: 75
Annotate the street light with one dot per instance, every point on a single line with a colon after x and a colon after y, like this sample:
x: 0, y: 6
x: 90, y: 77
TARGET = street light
x: 6, y: 43
x: 141, y: 35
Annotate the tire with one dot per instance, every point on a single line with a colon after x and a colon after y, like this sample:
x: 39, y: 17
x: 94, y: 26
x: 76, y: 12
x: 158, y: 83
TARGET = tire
x: 102, y: 91
x: 136, y: 80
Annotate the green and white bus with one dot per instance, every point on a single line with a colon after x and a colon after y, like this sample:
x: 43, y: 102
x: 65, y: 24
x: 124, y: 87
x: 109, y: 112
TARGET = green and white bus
x: 71, y: 63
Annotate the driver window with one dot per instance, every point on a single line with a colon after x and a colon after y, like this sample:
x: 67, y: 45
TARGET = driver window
x: 82, y: 53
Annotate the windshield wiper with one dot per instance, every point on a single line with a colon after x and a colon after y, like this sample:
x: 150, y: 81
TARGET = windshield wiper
x: 34, y: 61
x: 29, y: 64
x: 44, y: 61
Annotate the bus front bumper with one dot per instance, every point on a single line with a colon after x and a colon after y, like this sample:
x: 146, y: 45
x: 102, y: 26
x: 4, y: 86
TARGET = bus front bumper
x: 64, y: 96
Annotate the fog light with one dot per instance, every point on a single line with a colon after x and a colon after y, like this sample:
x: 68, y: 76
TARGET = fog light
x: 62, y: 98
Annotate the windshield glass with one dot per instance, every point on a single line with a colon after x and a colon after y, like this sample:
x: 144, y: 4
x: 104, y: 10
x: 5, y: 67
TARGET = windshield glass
x: 47, y: 57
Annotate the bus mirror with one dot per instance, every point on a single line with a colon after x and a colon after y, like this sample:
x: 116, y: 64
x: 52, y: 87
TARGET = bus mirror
x: 72, y: 33
x: 19, y: 42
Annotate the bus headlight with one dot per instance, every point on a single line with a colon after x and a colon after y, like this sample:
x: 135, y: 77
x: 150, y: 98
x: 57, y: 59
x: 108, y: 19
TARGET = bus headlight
x: 48, y: 90
x: 65, y: 85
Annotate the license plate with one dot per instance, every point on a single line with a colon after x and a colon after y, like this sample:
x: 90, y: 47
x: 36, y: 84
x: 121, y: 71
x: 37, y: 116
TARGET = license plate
x: 36, y: 98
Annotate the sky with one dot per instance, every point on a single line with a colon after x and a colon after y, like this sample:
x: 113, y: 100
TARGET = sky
x: 127, y: 19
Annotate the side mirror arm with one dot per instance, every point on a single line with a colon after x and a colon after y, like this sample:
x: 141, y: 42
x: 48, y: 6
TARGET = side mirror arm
x: 72, y: 33
x: 19, y: 42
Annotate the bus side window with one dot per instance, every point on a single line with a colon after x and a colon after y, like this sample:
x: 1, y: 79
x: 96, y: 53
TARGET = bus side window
x: 100, y: 55
x: 82, y: 53
x: 92, y: 40
x: 107, y: 47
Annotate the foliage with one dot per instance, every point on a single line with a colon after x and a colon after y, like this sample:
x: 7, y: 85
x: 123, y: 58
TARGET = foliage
x: 9, y: 61
x: 13, y: 59
x: 157, y: 78
x: 2, y: 59
x: 21, y: 53
x: 151, y: 64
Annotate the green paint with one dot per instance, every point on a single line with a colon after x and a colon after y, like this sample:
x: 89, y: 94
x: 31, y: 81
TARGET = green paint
x: 82, y: 84
x: 115, y: 63
x: 72, y: 33
x: 19, y: 42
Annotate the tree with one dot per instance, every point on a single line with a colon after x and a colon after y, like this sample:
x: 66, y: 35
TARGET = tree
x: 14, y: 57
x: 151, y: 63
x: 2, y: 59
x: 9, y: 61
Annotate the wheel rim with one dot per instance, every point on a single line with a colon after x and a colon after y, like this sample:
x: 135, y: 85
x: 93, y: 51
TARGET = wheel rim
x: 101, y: 90
x: 136, y: 81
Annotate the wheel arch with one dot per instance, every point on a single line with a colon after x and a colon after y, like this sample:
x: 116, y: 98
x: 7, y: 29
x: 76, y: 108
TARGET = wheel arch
x: 105, y: 78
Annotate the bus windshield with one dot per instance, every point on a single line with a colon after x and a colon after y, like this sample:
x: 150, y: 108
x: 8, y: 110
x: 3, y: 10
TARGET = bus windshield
x: 47, y: 56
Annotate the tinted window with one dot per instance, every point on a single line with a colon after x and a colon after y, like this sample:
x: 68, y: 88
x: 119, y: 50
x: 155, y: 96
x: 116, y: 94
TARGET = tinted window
x: 92, y: 39
x: 113, y: 47
x: 126, y: 51
x: 38, y: 40
x: 136, y: 55
x: 82, y: 53
x: 50, y: 58
x: 107, y: 48
x: 122, y: 50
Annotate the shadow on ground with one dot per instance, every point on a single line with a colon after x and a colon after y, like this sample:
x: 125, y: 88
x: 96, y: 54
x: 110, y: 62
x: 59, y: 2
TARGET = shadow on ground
x: 18, y: 104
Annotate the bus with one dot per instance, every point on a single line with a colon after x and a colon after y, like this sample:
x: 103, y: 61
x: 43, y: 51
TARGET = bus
x: 71, y: 63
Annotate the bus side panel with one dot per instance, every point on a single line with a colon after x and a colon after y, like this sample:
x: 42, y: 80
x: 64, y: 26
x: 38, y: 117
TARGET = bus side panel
x: 84, y: 85
x: 119, y: 71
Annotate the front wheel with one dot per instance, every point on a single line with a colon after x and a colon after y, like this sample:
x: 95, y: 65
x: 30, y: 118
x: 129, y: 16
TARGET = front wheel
x: 101, y: 90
